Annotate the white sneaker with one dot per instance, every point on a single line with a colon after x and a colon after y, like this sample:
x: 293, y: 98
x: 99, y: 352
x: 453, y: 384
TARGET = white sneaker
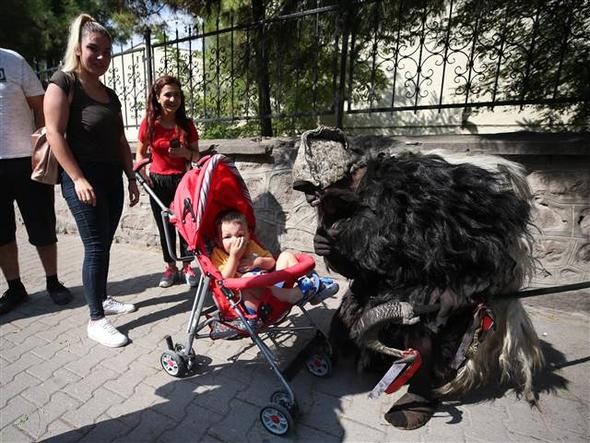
x: 105, y: 333
x: 112, y: 306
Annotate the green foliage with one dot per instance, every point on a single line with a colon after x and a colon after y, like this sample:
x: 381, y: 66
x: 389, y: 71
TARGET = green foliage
x: 38, y: 29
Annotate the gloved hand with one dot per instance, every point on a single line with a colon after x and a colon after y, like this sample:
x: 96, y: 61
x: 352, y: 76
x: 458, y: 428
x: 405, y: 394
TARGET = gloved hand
x: 322, y: 243
x: 450, y: 302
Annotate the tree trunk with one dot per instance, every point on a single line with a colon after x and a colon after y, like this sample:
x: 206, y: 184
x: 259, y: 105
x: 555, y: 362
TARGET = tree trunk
x: 262, y: 75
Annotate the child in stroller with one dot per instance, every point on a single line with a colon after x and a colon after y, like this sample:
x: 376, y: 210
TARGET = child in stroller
x: 236, y: 254
x: 204, y: 193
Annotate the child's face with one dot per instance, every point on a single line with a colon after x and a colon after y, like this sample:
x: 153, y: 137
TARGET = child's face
x: 230, y: 232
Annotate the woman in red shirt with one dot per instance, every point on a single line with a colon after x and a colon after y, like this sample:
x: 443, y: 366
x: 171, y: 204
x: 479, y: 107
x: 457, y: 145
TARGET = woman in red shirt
x: 171, y: 139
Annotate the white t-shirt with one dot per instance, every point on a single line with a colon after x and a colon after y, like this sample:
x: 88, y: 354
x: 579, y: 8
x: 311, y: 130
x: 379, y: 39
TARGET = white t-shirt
x: 17, y: 82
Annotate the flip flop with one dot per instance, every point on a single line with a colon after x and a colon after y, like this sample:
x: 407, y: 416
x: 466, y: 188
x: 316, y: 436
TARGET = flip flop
x: 328, y: 288
x: 309, y: 286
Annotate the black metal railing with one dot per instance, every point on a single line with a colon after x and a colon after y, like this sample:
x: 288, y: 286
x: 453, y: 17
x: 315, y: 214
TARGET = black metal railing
x: 333, y: 61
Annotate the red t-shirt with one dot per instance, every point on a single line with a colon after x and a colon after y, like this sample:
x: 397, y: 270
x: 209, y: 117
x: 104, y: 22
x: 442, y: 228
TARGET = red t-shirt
x: 162, y: 162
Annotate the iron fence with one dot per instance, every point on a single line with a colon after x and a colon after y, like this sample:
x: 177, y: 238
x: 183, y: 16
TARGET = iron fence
x: 327, y: 61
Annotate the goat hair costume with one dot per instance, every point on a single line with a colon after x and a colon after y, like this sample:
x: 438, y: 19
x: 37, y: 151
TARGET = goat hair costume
x: 410, y: 226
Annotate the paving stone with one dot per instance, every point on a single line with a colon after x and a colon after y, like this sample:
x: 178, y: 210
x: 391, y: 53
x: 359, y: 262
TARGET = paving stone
x: 43, y: 369
x: 128, y: 410
x: 14, y: 352
x: 218, y: 395
x: 359, y: 431
x: 107, y: 430
x: 324, y: 414
x: 59, y: 432
x: 16, y: 411
x: 20, y: 383
x: 125, y: 361
x: 182, y: 395
x: 14, y: 434
x: 230, y: 429
x: 49, y: 350
x: 93, y: 408
x: 26, y: 361
x: 26, y: 328
x: 39, y: 421
x: 124, y: 394
x: 194, y: 426
x: 151, y: 427
x: 125, y: 384
x: 87, y: 365
x: 85, y: 388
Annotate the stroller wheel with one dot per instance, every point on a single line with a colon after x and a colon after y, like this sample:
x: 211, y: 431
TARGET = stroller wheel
x: 284, y: 399
x: 319, y: 364
x: 173, y: 364
x: 276, y: 419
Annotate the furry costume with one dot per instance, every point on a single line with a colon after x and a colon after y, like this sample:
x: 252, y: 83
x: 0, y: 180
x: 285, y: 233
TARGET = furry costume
x: 420, y: 229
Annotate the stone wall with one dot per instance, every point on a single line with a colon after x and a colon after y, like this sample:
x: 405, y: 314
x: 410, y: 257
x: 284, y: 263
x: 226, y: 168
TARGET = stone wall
x: 560, y: 180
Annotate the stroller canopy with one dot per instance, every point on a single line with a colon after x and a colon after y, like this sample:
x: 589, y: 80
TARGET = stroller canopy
x: 203, y: 193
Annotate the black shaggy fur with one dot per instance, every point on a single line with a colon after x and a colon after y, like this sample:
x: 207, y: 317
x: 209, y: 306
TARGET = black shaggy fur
x: 416, y: 221
x: 413, y: 224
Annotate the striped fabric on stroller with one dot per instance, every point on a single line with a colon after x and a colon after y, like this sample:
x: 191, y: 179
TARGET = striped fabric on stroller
x: 206, y: 191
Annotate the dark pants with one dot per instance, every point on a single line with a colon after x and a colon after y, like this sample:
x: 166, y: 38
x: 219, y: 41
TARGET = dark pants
x: 35, y: 201
x: 97, y: 226
x: 164, y: 186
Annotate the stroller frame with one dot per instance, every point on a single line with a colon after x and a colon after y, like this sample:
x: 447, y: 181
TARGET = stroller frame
x: 180, y: 359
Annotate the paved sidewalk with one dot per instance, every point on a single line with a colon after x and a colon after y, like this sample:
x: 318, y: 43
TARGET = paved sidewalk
x: 56, y: 385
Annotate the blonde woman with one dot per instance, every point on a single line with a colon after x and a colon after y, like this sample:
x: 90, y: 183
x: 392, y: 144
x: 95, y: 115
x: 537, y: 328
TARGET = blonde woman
x: 85, y: 131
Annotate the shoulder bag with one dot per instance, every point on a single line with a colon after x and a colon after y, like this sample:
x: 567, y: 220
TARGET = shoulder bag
x: 44, y: 164
x: 45, y: 167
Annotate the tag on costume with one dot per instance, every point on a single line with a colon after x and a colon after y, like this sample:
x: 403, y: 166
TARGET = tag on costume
x: 398, y: 374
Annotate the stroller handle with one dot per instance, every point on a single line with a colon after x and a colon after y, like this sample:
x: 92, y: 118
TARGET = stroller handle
x: 305, y: 264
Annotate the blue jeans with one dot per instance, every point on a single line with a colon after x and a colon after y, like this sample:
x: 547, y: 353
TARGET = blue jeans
x: 97, y: 226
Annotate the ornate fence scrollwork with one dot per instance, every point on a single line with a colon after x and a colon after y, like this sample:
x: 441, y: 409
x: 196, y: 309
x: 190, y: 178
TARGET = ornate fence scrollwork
x: 335, y: 60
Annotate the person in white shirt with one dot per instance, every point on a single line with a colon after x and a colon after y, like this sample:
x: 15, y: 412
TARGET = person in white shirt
x: 21, y: 111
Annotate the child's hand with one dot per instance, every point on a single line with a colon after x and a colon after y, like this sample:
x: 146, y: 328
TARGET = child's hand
x: 238, y: 247
x: 247, y: 263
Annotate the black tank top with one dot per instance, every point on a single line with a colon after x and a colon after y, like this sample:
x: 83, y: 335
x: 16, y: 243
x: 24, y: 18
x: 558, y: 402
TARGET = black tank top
x: 94, y: 128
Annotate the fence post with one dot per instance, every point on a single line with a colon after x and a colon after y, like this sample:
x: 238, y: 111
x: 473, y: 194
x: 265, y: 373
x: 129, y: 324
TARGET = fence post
x: 344, y: 25
x: 149, y: 76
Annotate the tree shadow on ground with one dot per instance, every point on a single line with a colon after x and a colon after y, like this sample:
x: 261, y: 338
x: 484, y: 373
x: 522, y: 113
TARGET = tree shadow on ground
x: 219, y: 396
x: 38, y: 303
x: 224, y: 395
x: 547, y: 382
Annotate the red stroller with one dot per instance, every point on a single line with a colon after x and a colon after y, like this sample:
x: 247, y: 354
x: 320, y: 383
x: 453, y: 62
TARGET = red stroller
x: 215, y: 185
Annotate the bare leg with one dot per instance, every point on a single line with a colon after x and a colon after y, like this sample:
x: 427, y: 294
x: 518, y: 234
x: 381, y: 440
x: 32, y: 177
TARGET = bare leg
x: 285, y: 260
x: 252, y: 299
x: 48, y: 256
x: 16, y: 292
x: 9, y: 261
x: 288, y: 295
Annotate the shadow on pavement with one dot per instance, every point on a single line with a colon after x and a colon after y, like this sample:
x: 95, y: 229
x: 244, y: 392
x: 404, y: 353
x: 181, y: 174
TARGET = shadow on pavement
x: 546, y: 382
x: 39, y: 303
x: 198, y: 407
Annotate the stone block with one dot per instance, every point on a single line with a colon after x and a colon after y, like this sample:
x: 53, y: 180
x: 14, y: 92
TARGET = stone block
x: 582, y: 221
x: 563, y: 186
x: 552, y: 218
x: 553, y: 251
